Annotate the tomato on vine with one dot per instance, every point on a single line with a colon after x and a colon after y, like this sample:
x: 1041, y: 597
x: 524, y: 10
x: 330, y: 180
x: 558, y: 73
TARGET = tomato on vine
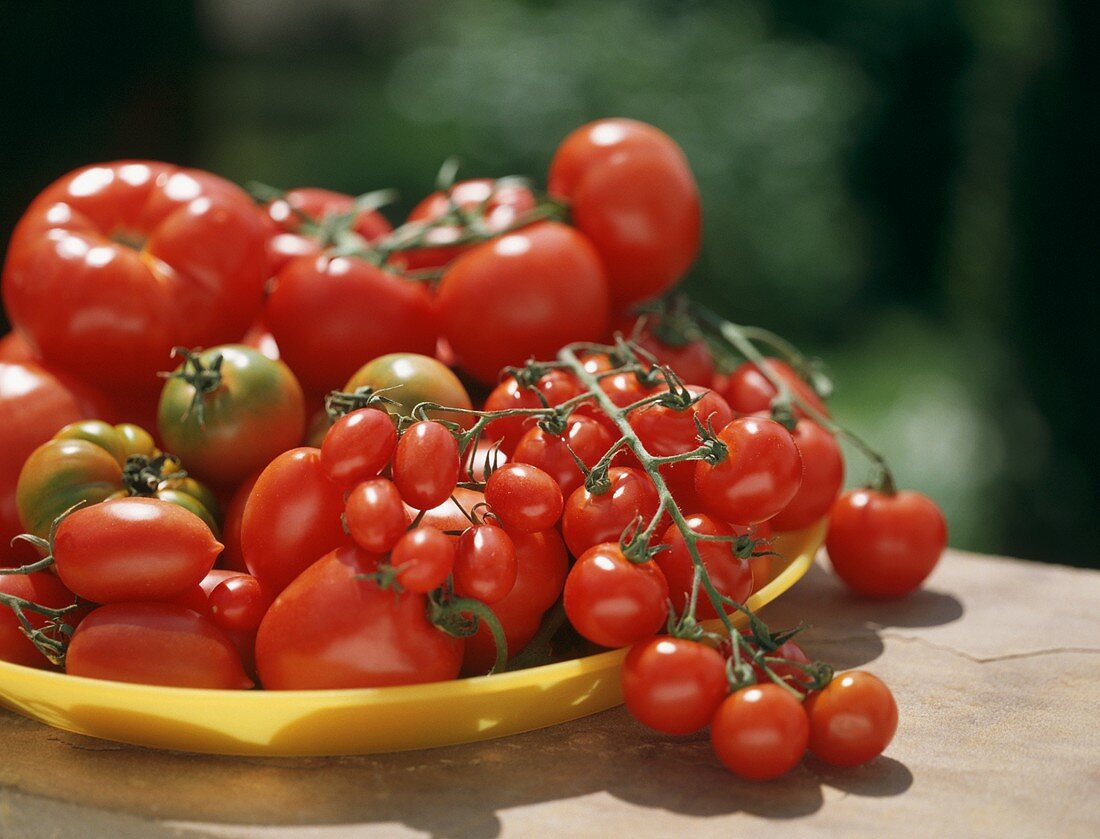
x: 729, y: 573
x: 426, y: 464
x: 749, y: 391
x: 612, y: 601
x: 852, y: 720
x: 760, y: 732
x: 603, y: 513
x: 552, y: 389
x: 358, y: 446
x: 423, y: 558
x: 524, y: 497
x: 673, y: 685
x: 485, y: 566
x: 375, y: 515
x: 822, y: 478
x: 554, y: 453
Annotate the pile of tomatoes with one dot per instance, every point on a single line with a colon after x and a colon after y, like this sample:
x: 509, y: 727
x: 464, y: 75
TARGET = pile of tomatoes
x: 239, y: 453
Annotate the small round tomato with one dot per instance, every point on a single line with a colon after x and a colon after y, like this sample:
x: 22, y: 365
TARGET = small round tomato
x: 822, y: 478
x: 666, y: 431
x: 852, y: 720
x: 424, y: 558
x: 524, y: 497
x: 485, y: 563
x: 689, y: 358
x: 426, y: 464
x: 552, y: 389
x: 133, y: 549
x: 358, y: 446
x: 553, y: 454
x: 238, y: 603
x: 499, y: 204
x: 409, y: 379
x: 375, y: 516
x: 591, y: 518
x: 155, y: 644
x: 523, y: 295
x: 885, y: 544
x: 612, y: 601
x: 729, y: 573
x: 631, y: 190
x: 760, y: 732
x: 759, y: 476
x: 334, y: 627
x: 228, y: 411
x: 748, y: 390
x: 41, y: 588
x: 673, y: 685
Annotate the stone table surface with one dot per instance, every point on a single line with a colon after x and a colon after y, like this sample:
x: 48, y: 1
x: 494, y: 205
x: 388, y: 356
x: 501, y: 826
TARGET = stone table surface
x: 995, y: 666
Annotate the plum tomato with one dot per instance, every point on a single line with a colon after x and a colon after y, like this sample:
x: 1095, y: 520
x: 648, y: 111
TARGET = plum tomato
x: 358, y: 446
x: 423, y: 558
x: 232, y: 557
x: 551, y: 390
x: 375, y: 516
x: 612, y: 601
x: 409, y: 379
x: 426, y: 464
x: 759, y: 476
x: 524, y: 497
x: 852, y: 720
x: 822, y: 478
x: 591, y: 518
x: 485, y: 563
x: 730, y: 574
x: 885, y: 544
x: 673, y: 685
x: 760, y: 732
x: 748, y: 390
x: 553, y: 453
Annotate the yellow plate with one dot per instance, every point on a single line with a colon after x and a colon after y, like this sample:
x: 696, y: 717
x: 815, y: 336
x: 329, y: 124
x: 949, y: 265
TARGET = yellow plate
x: 334, y: 722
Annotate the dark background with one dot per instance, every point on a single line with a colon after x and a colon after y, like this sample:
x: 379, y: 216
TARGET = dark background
x: 906, y: 189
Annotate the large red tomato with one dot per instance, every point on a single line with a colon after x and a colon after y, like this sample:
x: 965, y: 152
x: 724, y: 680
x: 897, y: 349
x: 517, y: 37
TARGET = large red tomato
x: 631, y: 191
x: 331, y: 628
x: 115, y: 264
x: 523, y: 295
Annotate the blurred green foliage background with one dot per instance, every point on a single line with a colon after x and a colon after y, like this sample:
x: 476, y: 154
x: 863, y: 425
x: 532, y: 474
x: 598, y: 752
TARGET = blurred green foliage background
x: 899, y: 187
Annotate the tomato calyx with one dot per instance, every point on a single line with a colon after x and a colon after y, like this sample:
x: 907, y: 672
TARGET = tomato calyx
x: 201, y: 377
x: 340, y: 403
x: 462, y: 616
x: 143, y: 476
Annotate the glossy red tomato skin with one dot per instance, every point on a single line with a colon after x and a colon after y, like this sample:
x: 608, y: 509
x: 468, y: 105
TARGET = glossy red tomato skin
x: 524, y: 498
x: 504, y: 204
x: 730, y: 574
x: 232, y: 556
x: 291, y: 518
x: 691, y: 360
x: 41, y: 588
x: 612, y: 601
x: 332, y: 629
x: 630, y: 189
x: 748, y: 391
x: 523, y: 295
x: 238, y: 603
x: 760, y: 475
x: 375, y: 516
x: 34, y: 404
x: 822, y: 478
x: 199, y: 249
x: 283, y: 220
x: 485, y: 563
x: 555, y: 387
x: 666, y: 431
x: 426, y: 464
x: 673, y: 685
x: 358, y: 446
x: 425, y: 557
x: 551, y: 453
x: 330, y: 315
x: 760, y: 732
x: 155, y: 644
x: 885, y: 545
x: 852, y: 720
x: 590, y: 519
x: 130, y: 549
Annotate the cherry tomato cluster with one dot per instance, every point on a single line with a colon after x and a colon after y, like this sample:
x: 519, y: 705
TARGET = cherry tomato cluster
x: 378, y: 529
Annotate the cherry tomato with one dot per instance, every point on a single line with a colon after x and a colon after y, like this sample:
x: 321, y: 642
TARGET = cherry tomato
x: 822, y: 478
x: 232, y: 557
x: 162, y: 256
x: 41, y: 588
x: 133, y: 549
x: 523, y: 295
x: 501, y: 204
x: 424, y: 558
x: 294, y: 223
x: 630, y: 189
x: 852, y: 720
x: 551, y: 453
x: 154, y: 644
x: 689, y: 358
x: 748, y: 391
x: 673, y: 685
x: 665, y: 430
x: 358, y: 446
x: 250, y: 409
x: 426, y: 464
x: 409, y: 379
x: 760, y: 732
x: 524, y: 497
x: 485, y: 564
x: 885, y: 545
x: 760, y: 475
x: 612, y: 601
x: 334, y: 628
x: 788, y: 672
x: 680, y: 480
x: 555, y: 387
x: 591, y: 518
x: 375, y: 516
x: 332, y: 314
x: 33, y: 405
x: 291, y: 518
x: 729, y: 573
x: 238, y: 603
